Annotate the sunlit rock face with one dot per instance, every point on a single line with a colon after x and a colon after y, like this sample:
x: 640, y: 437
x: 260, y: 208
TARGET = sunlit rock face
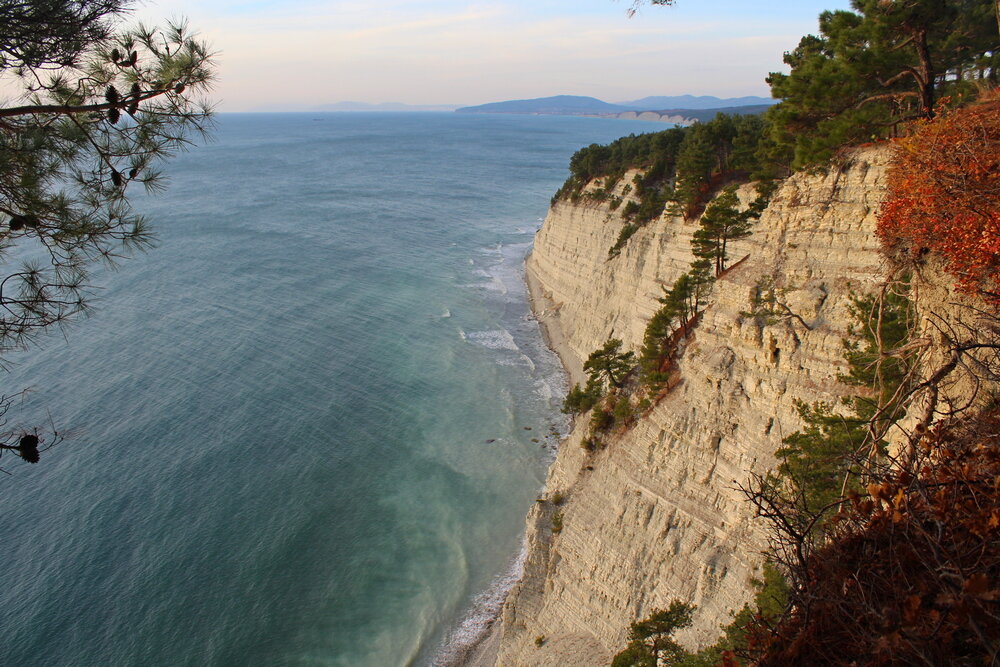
x: 657, y: 515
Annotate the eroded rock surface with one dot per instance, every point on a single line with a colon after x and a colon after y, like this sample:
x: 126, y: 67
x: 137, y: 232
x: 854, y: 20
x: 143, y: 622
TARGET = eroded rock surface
x: 656, y: 515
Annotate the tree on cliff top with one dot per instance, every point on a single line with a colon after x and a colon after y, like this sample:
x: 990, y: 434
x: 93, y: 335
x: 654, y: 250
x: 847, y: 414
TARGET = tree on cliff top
x: 883, y: 64
x: 97, y: 107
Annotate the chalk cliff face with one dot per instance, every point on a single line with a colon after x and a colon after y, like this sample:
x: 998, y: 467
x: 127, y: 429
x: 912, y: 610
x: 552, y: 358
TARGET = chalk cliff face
x: 656, y: 515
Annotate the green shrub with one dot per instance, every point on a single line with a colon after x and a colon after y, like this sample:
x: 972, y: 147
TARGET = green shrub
x: 601, y: 420
x: 623, y: 236
x: 769, y: 604
x: 651, y: 640
x: 580, y: 400
x: 622, y: 412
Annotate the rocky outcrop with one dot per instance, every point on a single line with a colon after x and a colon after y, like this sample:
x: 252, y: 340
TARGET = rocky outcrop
x: 657, y: 515
x: 677, y: 118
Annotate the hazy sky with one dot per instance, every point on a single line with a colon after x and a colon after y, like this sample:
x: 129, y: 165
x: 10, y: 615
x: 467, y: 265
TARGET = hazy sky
x: 297, y: 54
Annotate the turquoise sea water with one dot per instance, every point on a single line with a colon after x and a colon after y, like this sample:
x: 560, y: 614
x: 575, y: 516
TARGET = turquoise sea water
x: 300, y: 426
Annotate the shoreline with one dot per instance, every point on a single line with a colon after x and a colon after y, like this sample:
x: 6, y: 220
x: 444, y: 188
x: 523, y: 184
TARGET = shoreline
x: 485, y: 651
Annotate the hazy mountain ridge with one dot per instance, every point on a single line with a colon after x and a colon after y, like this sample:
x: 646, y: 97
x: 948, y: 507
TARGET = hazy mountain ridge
x: 569, y: 105
x: 577, y: 105
x: 558, y: 104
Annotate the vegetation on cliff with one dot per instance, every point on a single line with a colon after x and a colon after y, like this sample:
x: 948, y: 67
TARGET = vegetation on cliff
x: 908, y: 575
x: 608, y: 369
x: 651, y: 643
x: 724, y: 221
x: 867, y: 73
x: 681, y: 167
x: 619, y: 385
x: 884, y: 510
x: 873, y: 68
x: 944, y: 196
x: 905, y: 568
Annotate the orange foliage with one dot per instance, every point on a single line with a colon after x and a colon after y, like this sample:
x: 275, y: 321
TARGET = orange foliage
x: 912, y: 574
x: 944, y: 195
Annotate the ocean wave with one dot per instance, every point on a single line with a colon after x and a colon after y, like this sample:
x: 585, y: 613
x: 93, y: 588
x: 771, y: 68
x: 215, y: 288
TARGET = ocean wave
x: 494, y: 285
x: 529, y: 362
x: 492, y: 282
x: 490, y: 251
x: 521, y: 361
x: 484, y: 611
x: 544, y: 390
x: 499, y: 339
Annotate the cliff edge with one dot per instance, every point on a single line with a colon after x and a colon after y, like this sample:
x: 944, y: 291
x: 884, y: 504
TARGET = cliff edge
x: 657, y: 515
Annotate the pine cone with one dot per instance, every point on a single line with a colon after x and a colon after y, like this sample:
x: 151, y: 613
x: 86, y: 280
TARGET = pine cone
x: 28, y: 448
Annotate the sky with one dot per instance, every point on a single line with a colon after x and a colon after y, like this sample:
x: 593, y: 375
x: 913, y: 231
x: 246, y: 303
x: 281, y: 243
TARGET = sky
x: 302, y: 54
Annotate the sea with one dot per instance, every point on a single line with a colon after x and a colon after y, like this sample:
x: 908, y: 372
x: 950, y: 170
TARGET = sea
x: 304, y: 429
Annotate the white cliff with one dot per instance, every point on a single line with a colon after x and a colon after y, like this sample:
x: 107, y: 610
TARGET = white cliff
x: 657, y: 515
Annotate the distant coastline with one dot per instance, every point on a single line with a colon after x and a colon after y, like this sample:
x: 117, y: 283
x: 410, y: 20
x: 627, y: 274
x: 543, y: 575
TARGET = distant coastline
x: 679, y: 110
x: 673, y: 109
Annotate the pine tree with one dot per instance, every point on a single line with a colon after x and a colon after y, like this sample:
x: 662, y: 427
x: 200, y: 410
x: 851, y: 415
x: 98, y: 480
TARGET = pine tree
x: 721, y: 223
x: 696, y: 162
x: 100, y: 109
x: 876, y: 67
x: 95, y: 108
x: 609, y: 363
x: 650, y: 640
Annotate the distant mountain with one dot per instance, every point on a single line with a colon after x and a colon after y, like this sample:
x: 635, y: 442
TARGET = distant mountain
x: 575, y: 105
x: 695, y: 102
x: 559, y: 105
x: 384, y: 106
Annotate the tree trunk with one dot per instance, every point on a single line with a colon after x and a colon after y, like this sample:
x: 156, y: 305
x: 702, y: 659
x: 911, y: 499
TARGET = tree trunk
x: 926, y: 79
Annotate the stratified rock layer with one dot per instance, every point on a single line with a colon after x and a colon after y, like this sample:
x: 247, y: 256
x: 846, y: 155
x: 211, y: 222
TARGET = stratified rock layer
x: 657, y: 515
